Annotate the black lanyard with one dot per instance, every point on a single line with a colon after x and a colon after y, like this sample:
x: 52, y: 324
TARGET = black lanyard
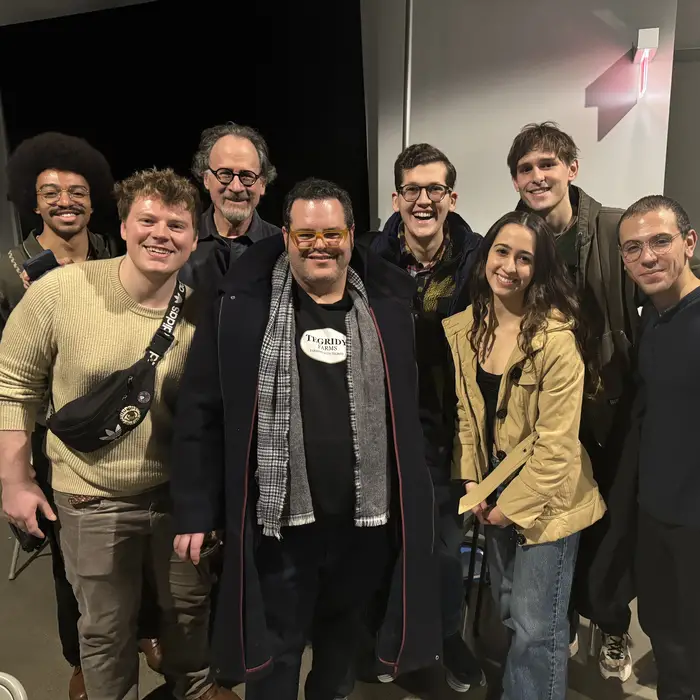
x: 165, y: 334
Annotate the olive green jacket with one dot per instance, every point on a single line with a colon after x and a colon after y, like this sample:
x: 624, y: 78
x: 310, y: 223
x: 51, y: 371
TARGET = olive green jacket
x: 11, y: 284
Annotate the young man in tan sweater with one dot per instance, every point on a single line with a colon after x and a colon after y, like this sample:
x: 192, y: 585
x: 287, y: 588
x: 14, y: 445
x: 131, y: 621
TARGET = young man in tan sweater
x: 74, y: 327
x: 63, y: 180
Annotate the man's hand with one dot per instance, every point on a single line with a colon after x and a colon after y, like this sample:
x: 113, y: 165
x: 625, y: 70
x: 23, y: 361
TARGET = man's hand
x: 481, y: 510
x: 189, y: 546
x: 20, y: 503
x: 495, y: 517
x: 25, y: 277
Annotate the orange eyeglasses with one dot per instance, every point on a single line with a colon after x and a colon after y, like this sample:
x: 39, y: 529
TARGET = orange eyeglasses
x: 306, y: 238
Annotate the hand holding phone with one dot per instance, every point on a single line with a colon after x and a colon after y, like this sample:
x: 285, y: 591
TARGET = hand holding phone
x: 40, y: 264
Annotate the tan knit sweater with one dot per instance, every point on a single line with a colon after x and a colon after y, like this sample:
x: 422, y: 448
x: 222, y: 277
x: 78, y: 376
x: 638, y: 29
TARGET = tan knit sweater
x: 72, y: 328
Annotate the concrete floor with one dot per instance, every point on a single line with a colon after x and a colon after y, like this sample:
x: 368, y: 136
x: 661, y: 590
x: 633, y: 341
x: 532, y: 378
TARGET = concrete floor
x: 29, y: 650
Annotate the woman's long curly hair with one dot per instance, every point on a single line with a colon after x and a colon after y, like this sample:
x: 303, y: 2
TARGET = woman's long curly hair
x: 550, y: 291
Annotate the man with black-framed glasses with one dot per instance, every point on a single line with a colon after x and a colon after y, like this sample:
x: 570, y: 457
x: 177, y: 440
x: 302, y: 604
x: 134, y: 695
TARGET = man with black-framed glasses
x: 427, y: 239
x: 233, y: 164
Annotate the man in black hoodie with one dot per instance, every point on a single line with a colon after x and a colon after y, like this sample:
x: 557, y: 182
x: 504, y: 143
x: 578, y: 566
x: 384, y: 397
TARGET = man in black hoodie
x: 434, y: 245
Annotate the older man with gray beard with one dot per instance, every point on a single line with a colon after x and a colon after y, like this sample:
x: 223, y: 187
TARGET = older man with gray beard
x: 233, y: 164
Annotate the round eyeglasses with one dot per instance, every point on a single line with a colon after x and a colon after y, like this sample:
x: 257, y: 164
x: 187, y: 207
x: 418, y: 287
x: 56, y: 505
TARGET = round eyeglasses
x: 225, y: 176
x: 659, y: 245
x: 436, y: 193
x: 52, y: 194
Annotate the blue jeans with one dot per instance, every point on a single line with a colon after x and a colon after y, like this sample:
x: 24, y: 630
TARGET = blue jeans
x: 532, y: 586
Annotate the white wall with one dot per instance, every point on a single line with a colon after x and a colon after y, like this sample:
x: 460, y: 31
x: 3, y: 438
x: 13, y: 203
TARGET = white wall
x: 481, y: 70
x: 383, y: 57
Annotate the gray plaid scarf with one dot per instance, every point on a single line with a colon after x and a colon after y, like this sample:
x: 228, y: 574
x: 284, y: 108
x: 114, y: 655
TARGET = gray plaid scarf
x: 285, y: 497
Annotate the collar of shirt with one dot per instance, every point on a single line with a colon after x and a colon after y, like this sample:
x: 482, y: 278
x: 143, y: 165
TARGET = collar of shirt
x: 408, y: 260
x: 208, y: 228
x: 32, y: 246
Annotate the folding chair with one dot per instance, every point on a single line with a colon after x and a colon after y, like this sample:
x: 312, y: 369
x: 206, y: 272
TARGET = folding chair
x: 476, y: 552
x: 14, y: 570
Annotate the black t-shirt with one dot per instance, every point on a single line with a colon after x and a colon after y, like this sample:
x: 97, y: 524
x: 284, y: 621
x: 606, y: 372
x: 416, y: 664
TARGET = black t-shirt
x: 669, y: 468
x: 566, y: 246
x: 325, y: 406
x: 490, y: 385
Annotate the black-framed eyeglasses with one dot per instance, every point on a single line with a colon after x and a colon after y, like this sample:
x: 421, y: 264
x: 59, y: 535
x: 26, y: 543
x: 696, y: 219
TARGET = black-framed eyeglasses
x: 225, y: 176
x: 52, y: 194
x: 436, y: 193
x: 659, y: 245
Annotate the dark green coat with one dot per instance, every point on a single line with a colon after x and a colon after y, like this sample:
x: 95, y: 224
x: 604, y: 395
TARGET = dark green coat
x: 11, y: 285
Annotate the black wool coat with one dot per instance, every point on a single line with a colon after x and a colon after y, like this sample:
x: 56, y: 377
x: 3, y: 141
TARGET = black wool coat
x: 213, y: 464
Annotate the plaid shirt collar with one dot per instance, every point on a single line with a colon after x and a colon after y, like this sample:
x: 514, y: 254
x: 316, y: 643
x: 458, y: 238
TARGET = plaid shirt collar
x: 408, y: 259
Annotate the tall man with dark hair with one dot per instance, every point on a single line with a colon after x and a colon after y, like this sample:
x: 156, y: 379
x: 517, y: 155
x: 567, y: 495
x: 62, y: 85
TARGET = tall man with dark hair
x: 304, y: 446
x: 233, y: 164
x: 63, y: 179
x: 657, y: 243
x: 543, y: 163
x: 427, y: 239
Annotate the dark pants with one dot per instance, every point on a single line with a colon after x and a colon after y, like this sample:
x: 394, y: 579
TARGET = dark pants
x: 449, y: 539
x: 610, y: 612
x: 317, y: 582
x: 66, y: 604
x: 668, y: 571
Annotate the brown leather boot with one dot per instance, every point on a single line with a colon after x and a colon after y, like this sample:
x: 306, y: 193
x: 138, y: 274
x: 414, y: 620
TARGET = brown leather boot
x: 217, y: 693
x: 150, y: 648
x: 76, y: 686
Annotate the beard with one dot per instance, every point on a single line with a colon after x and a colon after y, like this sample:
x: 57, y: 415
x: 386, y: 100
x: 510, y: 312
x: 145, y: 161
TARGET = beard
x: 236, y: 215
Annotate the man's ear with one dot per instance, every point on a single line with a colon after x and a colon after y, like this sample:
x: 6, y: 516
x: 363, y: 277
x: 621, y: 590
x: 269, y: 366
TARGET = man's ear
x: 573, y: 171
x: 691, y: 241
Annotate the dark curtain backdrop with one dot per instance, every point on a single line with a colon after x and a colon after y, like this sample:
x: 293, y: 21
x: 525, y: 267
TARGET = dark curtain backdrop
x: 140, y: 83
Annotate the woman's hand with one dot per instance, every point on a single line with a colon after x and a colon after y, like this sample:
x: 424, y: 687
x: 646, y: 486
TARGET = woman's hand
x: 481, y: 510
x: 495, y: 517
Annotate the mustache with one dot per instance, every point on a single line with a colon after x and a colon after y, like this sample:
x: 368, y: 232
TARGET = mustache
x: 66, y: 210
x: 330, y: 253
x: 243, y: 197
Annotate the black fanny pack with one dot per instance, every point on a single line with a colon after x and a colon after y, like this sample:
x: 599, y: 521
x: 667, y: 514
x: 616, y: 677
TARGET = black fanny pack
x: 121, y: 401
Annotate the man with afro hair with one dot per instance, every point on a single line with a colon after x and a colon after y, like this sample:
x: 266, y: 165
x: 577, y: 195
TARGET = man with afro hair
x: 60, y: 178
x: 63, y: 179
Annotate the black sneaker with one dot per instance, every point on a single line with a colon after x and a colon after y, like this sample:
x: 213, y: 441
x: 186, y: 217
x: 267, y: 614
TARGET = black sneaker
x: 462, y: 670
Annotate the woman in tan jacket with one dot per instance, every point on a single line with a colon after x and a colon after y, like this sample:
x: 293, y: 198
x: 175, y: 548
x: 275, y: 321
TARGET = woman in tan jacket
x: 520, y: 385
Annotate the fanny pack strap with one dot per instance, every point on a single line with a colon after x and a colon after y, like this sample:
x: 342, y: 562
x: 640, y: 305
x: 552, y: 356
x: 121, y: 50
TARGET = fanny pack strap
x: 517, y: 457
x: 163, y: 338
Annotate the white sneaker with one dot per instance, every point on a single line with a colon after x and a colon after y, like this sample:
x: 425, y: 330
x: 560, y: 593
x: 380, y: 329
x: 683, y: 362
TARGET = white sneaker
x: 385, y: 678
x: 573, y: 647
x: 615, y: 660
